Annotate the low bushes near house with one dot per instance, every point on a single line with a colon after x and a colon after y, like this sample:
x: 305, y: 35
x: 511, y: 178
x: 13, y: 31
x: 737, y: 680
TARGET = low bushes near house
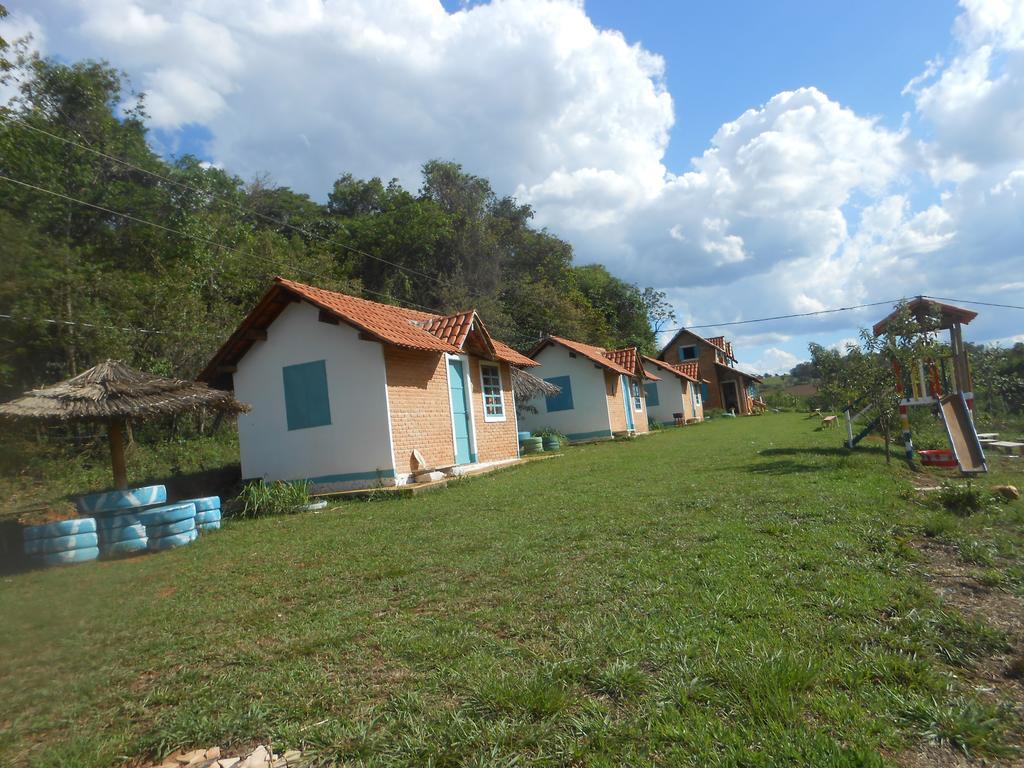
x: 262, y: 499
x: 550, y: 432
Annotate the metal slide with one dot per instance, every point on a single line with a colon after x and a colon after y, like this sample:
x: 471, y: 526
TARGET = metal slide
x: 962, y: 435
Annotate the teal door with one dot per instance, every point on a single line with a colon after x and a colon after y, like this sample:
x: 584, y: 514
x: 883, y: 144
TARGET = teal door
x: 460, y: 412
x: 626, y: 397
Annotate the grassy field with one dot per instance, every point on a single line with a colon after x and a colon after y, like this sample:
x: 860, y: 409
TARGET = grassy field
x: 743, y: 592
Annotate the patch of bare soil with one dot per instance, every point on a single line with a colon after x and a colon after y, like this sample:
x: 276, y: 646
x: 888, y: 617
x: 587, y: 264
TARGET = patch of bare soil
x: 999, y: 676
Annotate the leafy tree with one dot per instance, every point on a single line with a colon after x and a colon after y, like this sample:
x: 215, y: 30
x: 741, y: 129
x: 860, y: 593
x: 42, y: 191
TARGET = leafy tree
x: 659, y: 311
x: 864, y: 374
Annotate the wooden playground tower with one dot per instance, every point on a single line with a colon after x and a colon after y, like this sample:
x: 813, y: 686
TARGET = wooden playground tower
x: 944, y: 382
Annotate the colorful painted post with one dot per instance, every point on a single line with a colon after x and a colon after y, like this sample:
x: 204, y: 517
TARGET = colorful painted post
x: 908, y: 442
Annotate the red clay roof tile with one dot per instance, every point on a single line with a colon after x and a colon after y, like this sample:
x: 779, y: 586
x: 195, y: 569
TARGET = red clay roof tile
x: 690, y: 369
x: 589, y: 351
x: 398, y: 326
x: 673, y: 369
x: 628, y: 358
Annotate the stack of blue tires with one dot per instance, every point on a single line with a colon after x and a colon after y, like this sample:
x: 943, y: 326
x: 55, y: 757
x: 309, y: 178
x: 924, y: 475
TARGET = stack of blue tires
x: 119, y: 524
x: 68, y: 541
x: 207, y: 513
x: 170, y: 526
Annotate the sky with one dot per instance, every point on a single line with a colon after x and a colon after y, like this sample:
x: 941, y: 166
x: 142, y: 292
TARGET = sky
x: 750, y: 159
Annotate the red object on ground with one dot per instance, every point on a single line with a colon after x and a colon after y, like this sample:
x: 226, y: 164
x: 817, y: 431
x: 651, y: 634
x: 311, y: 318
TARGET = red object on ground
x: 937, y: 458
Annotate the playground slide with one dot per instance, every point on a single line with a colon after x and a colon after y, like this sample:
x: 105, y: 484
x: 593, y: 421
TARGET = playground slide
x: 962, y: 435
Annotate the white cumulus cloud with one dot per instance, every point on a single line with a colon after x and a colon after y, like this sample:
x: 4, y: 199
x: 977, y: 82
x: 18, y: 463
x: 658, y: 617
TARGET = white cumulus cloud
x: 796, y: 205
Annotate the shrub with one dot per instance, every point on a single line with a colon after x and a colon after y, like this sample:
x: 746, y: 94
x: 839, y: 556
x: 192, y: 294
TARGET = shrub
x: 550, y: 432
x: 963, y: 500
x: 261, y: 499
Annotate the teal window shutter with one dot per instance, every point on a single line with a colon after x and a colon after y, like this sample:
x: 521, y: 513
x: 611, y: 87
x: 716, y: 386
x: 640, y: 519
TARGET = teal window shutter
x: 688, y: 352
x: 703, y: 391
x: 652, y: 393
x: 305, y: 395
x: 563, y: 400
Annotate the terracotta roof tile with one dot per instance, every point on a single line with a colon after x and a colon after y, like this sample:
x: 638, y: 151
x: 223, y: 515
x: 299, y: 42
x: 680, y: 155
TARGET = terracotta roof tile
x: 673, y: 369
x: 451, y: 328
x: 398, y: 326
x: 394, y: 325
x: 690, y: 369
x: 509, y: 355
x: 589, y: 351
x: 629, y: 359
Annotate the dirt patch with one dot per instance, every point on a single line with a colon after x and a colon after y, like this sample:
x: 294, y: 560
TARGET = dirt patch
x: 997, y: 676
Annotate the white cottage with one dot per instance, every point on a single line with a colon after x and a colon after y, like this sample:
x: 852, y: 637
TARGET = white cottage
x: 349, y: 393
x: 601, y: 395
x: 675, y: 398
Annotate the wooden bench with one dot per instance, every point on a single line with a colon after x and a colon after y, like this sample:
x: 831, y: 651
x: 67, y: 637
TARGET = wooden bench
x: 828, y: 422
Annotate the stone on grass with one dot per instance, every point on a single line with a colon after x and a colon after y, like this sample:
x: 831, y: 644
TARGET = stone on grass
x: 1008, y: 492
x: 261, y: 757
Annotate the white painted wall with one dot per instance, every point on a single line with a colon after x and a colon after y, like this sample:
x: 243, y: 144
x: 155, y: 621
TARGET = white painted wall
x: 358, y: 437
x: 670, y: 395
x: 590, y: 406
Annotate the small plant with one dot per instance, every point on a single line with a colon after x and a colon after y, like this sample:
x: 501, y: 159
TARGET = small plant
x: 549, y: 432
x: 968, y: 726
x: 939, y: 526
x: 962, y: 500
x: 261, y: 499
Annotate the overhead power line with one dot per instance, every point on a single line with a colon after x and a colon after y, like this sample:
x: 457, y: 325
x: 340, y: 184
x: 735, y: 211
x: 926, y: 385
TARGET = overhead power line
x: 51, y: 321
x: 248, y: 211
x: 979, y: 303
x: 890, y: 302
x: 179, y: 232
x: 783, y: 317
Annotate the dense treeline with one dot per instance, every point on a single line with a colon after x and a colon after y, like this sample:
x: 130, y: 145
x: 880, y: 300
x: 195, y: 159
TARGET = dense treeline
x: 452, y: 244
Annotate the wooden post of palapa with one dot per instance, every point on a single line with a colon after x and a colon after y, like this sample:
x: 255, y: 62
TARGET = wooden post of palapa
x: 115, y: 429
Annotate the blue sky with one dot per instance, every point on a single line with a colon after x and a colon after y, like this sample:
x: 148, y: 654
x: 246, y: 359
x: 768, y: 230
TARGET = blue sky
x: 725, y: 57
x: 748, y: 158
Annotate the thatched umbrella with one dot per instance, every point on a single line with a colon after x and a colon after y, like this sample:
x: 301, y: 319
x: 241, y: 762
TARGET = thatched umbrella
x: 526, y: 386
x: 112, y: 393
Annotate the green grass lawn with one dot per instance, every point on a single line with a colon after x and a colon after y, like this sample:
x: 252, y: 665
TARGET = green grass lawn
x: 740, y: 592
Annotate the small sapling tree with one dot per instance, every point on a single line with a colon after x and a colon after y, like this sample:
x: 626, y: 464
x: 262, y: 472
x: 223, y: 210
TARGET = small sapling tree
x: 865, y: 373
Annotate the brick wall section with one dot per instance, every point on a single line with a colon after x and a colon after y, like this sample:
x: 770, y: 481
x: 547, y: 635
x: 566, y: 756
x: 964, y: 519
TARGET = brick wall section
x: 616, y: 405
x: 708, y: 369
x: 495, y: 440
x: 420, y: 412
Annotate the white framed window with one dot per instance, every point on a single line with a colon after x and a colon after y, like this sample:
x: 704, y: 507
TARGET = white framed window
x: 638, y: 403
x: 494, y: 397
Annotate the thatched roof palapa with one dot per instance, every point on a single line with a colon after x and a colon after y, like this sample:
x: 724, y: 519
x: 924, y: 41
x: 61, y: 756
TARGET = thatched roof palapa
x: 112, y: 390
x: 526, y: 386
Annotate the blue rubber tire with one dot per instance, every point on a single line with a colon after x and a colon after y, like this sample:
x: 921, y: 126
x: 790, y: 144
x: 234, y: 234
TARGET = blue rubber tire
x: 171, y: 529
x: 113, y: 522
x: 204, y: 504
x: 60, y: 543
x: 172, y: 513
x: 70, y: 556
x: 125, y: 548
x: 62, y: 528
x: 169, y: 542
x: 215, y: 525
x: 109, y: 501
x: 124, y: 533
x: 208, y: 516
